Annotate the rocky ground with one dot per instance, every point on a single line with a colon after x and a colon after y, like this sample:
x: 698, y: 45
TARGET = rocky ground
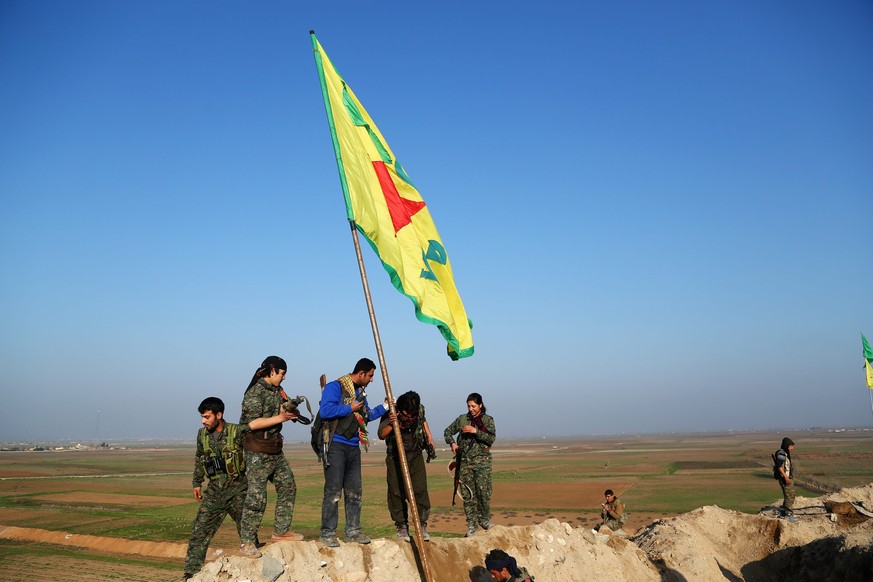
x: 831, y: 541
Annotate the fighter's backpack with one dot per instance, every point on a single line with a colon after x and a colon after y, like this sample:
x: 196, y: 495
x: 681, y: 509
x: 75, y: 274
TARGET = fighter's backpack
x: 322, y: 432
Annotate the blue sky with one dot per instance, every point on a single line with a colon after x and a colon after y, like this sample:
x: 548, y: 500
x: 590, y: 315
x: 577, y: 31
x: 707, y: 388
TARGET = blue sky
x: 658, y: 214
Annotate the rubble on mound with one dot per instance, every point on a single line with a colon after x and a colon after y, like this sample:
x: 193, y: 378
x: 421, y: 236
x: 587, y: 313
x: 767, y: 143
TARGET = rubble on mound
x: 706, y: 544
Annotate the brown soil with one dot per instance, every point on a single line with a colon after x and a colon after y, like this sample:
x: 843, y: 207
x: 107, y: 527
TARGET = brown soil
x: 36, y: 568
x: 114, y: 499
x: 706, y: 544
x: 103, y: 544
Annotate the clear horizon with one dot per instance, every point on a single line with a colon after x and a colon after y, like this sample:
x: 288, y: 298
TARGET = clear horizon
x: 658, y: 216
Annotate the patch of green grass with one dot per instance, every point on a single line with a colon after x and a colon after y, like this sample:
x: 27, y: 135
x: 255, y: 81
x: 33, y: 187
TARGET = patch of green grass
x: 10, y: 549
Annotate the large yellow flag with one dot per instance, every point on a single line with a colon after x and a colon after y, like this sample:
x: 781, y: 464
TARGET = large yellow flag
x: 390, y: 213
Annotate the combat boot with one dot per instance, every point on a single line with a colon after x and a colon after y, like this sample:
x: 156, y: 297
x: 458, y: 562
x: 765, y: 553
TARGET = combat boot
x: 359, y: 537
x: 249, y: 551
x: 471, y: 530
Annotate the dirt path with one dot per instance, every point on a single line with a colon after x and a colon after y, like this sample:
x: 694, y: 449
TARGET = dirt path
x: 99, y: 543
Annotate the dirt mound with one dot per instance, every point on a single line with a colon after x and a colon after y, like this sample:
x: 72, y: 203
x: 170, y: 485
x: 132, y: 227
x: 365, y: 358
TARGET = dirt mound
x: 709, y: 543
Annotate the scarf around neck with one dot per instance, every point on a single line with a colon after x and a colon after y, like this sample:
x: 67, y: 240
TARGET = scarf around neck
x: 348, y: 397
x: 476, y: 421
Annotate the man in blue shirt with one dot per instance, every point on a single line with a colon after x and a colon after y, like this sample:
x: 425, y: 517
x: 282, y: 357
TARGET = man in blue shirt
x: 344, y: 407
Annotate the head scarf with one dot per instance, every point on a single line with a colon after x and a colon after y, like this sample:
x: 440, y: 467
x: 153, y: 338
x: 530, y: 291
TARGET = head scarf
x: 786, y: 442
x: 269, y: 363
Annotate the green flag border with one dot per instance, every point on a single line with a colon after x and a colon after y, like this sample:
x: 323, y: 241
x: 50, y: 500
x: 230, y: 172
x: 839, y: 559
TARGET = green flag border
x: 330, y: 122
x: 455, y: 353
x: 865, y: 348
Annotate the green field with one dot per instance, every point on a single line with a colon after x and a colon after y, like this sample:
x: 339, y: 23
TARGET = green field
x: 145, y: 493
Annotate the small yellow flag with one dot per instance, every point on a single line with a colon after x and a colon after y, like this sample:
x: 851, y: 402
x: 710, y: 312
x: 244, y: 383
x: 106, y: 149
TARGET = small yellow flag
x: 869, y: 375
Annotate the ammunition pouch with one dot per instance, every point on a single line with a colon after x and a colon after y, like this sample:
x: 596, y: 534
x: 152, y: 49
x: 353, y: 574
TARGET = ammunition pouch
x: 258, y: 442
x: 347, y: 427
x: 213, y: 466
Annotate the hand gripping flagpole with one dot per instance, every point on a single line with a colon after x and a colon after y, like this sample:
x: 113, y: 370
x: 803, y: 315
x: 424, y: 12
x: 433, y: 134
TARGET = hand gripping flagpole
x: 411, y: 502
x: 412, y: 506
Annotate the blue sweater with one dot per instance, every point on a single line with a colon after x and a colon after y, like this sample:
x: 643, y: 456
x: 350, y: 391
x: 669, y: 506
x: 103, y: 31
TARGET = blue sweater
x: 332, y: 407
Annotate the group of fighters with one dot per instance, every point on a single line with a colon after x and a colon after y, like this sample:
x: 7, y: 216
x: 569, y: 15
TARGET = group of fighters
x: 240, y: 459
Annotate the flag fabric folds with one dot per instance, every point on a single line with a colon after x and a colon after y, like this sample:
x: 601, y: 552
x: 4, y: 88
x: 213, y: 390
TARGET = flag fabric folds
x: 868, y: 360
x: 869, y: 374
x: 390, y: 213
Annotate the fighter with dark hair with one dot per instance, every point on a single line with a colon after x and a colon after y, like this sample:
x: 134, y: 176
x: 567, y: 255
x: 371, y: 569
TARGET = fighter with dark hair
x: 504, y: 568
x: 784, y: 471
x: 220, y: 457
x: 344, y: 405
x: 476, y: 433
x: 264, y: 414
x: 416, y: 437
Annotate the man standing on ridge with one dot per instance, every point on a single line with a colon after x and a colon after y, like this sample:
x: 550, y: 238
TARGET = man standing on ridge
x: 785, y: 471
x: 220, y: 457
x: 416, y: 437
x: 344, y: 407
x: 264, y: 414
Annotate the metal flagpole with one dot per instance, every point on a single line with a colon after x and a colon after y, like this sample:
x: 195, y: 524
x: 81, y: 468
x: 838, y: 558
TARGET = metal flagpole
x: 404, y: 465
x: 407, y: 481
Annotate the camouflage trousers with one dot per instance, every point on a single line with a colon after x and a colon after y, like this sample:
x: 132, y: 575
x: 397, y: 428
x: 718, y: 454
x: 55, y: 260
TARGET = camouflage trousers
x: 260, y: 468
x: 475, y: 489
x: 221, y: 497
x: 788, y: 496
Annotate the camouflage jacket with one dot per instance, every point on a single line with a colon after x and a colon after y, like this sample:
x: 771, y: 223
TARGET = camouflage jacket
x: 473, y: 446
x: 217, y: 445
x: 262, y: 401
x: 614, y: 510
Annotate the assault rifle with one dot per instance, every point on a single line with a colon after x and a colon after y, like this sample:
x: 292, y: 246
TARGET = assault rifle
x: 325, y: 430
x: 457, y: 467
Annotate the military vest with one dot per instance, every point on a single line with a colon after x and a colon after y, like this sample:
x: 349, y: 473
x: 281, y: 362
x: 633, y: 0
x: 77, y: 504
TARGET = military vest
x: 232, y: 455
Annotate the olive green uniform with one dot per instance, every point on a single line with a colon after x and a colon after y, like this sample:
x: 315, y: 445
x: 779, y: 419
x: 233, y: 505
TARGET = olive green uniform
x: 414, y: 441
